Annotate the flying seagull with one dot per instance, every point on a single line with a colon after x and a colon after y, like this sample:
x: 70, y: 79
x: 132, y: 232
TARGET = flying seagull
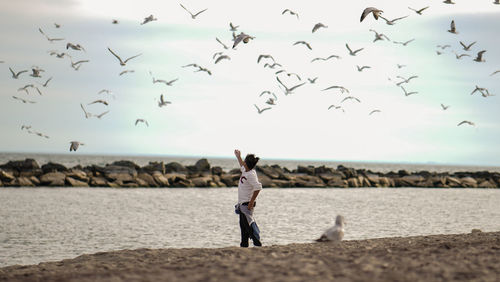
x: 193, y: 16
x: 467, y: 47
x: 125, y: 71
x: 379, y: 36
x: 74, y: 145
x: 23, y: 100
x: 16, y: 75
x: 453, y: 28
x: 418, y: 11
x: 360, y: 69
x: 148, y: 19
x: 336, y: 108
x: 342, y: 88
x: 484, y: 92
x: 123, y: 63
x: 335, y: 233
x: 303, y: 42
x: 222, y: 57
x: 99, y: 116
x: 479, y: 57
x: 443, y: 46
x: 376, y: 13
x: 99, y: 101
x: 57, y: 25
x: 318, y: 26
x: 260, y: 111
x: 266, y: 65
x: 495, y: 72
x: 141, y: 120
x: 77, y: 65
x: 404, y: 43
x: 325, y: 59
x: 374, y: 111
x: 162, y: 102
x: 461, y: 55
x: 392, y: 22
x: 242, y: 37
x: 405, y: 80
x: 233, y: 27
x: 448, y: 2
x: 46, y: 82
x: 289, y: 90
x: 466, y: 122
x: 408, y: 93
x: 76, y: 47
x: 265, y: 56
x: 352, y: 53
x: 48, y: 38
x: 350, y: 98
x: 87, y: 114
x: 312, y: 80
x: 290, y: 12
x: 444, y: 107
x: 25, y: 88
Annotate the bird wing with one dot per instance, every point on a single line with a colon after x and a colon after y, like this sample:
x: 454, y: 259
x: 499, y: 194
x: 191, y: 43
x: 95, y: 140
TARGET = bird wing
x: 360, y: 49
x: 366, y: 12
x: 132, y: 58
x: 199, y: 12
x: 470, y: 45
x: 100, y: 115
x: 296, y: 86
x: 114, y: 54
x: 221, y: 58
x: 347, y: 45
x: 397, y: 19
x: 186, y: 9
x: 421, y: 10
x: 277, y: 78
x: 224, y: 45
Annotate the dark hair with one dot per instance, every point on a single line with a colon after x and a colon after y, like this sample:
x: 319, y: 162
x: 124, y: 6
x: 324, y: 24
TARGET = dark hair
x: 251, y: 161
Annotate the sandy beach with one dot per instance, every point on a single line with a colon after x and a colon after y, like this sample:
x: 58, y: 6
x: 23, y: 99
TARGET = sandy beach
x: 463, y: 257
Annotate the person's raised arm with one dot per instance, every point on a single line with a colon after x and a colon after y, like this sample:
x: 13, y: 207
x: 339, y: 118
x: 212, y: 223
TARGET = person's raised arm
x: 237, y: 153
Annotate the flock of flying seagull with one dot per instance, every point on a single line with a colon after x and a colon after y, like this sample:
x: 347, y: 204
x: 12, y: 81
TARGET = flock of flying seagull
x: 267, y: 60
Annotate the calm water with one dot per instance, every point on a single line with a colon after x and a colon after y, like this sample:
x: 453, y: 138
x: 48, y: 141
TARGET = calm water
x: 71, y: 160
x: 43, y: 224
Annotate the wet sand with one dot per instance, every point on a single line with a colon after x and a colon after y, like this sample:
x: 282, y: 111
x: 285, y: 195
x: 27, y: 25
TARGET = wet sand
x: 463, y: 257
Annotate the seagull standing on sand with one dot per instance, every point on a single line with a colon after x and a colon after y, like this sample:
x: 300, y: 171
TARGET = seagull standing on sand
x: 335, y: 233
x: 122, y: 63
x: 376, y: 13
x: 74, y: 145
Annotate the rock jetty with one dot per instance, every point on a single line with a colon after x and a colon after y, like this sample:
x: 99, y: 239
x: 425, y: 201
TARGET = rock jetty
x: 127, y: 174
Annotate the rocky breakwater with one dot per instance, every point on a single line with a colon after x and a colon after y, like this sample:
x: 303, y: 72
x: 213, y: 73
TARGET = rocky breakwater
x: 28, y: 173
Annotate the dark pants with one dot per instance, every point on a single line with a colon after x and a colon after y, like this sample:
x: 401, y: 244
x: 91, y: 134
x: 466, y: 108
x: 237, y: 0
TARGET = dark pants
x: 248, y: 231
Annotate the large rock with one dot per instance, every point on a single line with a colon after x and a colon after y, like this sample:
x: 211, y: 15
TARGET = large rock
x: 6, y: 176
x: 75, y: 183
x: 53, y: 167
x: 53, y: 179
x: 161, y: 179
x: 128, y: 164
x: 217, y: 170
x: 120, y: 173
x: 281, y: 183
x: 353, y: 182
x: 487, y: 184
x: 175, y: 167
x: 305, y: 169
x: 231, y: 180
x: 265, y: 180
x: 98, y: 181
x: 204, y: 181
x: 269, y: 171
x: 154, y: 166
x: 35, y: 180
x: 453, y: 181
x: 145, y: 179
x: 77, y: 174
x: 348, y: 172
x: 19, y: 166
x: 310, y: 181
x: 337, y: 182
x: 202, y: 165
x: 373, y: 178
x: 468, y: 182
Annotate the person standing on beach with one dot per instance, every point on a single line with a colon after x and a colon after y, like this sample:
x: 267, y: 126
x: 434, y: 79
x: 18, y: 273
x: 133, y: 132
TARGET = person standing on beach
x: 248, y: 189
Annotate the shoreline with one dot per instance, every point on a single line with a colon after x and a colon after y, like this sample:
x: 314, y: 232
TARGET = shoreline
x: 473, y: 256
x: 127, y: 174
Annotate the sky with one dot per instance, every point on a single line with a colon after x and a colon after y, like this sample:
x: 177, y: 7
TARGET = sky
x: 211, y: 115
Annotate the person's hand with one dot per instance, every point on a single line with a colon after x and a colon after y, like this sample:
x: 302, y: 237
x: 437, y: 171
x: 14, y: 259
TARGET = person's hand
x: 237, y: 153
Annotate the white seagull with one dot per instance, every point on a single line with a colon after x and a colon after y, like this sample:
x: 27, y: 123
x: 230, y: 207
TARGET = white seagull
x: 162, y: 102
x: 123, y: 63
x: 289, y: 90
x: 16, y: 75
x: 376, y: 13
x: 74, y: 145
x: 290, y: 12
x: 466, y: 122
x: 260, y: 111
x: 342, y: 88
x: 148, y: 19
x: 141, y: 120
x: 418, y: 11
x: 223, y: 45
x: 193, y: 16
x: 335, y: 233
x: 467, y: 47
x: 303, y: 42
x: 479, y: 57
x: 353, y: 53
x: 318, y: 26
x: 242, y: 37
x: 453, y: 28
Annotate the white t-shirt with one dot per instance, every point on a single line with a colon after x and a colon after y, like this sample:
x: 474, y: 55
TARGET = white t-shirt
x: 247, y: 185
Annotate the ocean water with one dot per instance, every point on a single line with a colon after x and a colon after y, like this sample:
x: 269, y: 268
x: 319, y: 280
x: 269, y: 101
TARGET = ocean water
x: 227, y: 164
x: 47, y: 224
